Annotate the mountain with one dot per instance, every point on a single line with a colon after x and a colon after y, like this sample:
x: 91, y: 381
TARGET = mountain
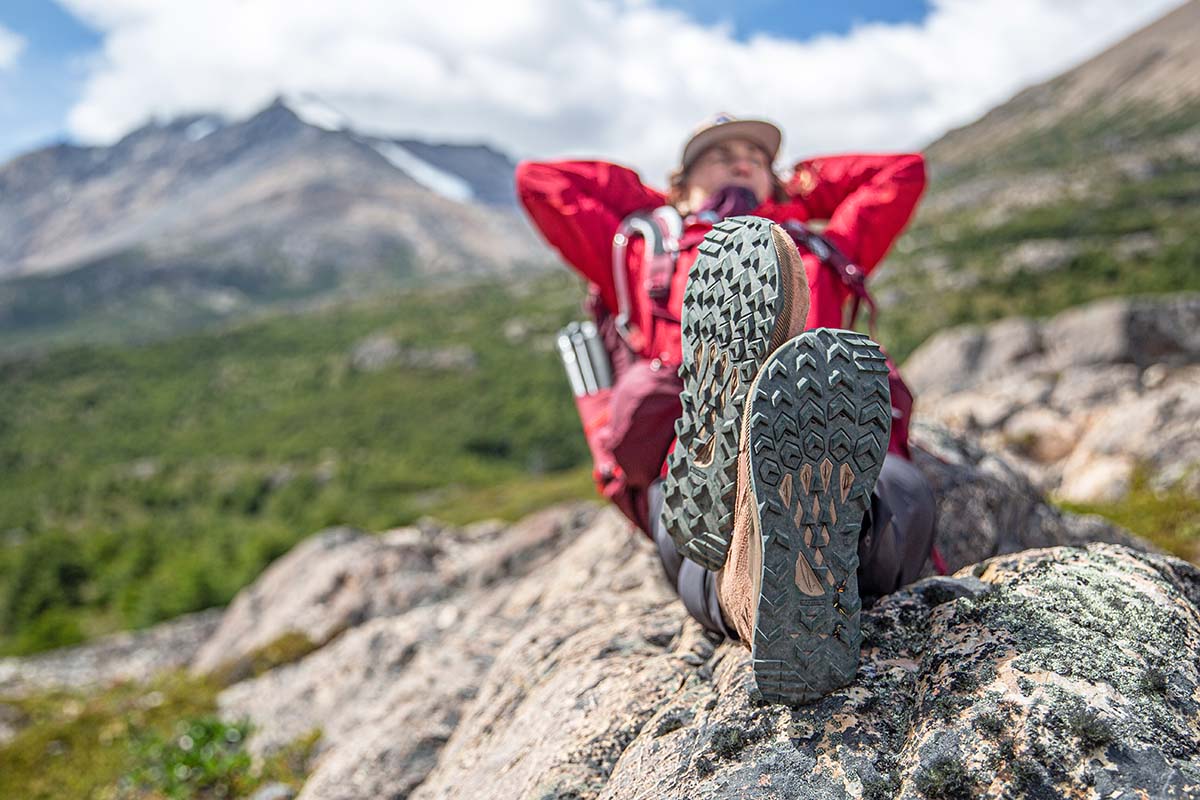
x: 1085, y: 186
x: 1128, y: 94
x: 199, y: 218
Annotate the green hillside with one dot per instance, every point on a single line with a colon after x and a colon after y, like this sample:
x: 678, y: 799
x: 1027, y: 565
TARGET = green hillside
x: 142, y: 482
x: 1063, y: 215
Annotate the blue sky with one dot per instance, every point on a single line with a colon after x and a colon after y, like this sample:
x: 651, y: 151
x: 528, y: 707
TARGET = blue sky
x: 48, y: 75
x: 800, y: 20
x: 620, y: 79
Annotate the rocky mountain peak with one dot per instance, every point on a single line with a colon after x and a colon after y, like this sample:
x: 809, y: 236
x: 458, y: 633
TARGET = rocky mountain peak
x: 289, y: 201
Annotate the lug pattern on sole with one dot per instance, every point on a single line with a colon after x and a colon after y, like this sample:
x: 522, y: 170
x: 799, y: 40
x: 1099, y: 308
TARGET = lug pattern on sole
x: 732, y: 300
x: 818, y: 424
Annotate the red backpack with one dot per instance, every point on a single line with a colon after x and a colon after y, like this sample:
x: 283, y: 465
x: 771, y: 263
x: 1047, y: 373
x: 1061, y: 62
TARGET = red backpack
x: 629, y: 424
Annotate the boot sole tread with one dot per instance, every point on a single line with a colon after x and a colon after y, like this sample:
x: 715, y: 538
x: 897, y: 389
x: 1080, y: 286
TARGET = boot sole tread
x: 819, y: 421
x: 732, y: 301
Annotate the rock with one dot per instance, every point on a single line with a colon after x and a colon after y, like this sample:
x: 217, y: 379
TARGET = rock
x: 974, y: 412
x: 560, y: 664
x: 379, y: 351
x: 1154, y: 376
x: 1084, y: 388
x: 1141, y: 331
x: 453, y: 357
x: 388, y: 694
x: 330, y: 582
x: 1097, y: 479
x: 1137, y: 245
x: 374, y: 352
x: 985, y: 507
x: 945, y: 362
x: 961, y: 358
x: 516, y: 330
x: 340, y: 578
x: 1077, y: 669
x: 1159, y: 428
x: 1042, y: 434
x: 1031, y: 679
x: 274, y: 791
x: 382, y: 724
x: 1115, y: 387
x: 12, y: 720
x: 127, y: 656
x: 1039, y: 255
x: 1097, y: 333
x: 1138, y: 331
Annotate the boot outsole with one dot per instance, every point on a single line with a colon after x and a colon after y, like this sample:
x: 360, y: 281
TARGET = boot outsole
x: 734, y: 296
x: 818, y: 422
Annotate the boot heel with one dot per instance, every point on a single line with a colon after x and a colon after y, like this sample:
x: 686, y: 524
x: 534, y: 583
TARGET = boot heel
x: 818, y: 419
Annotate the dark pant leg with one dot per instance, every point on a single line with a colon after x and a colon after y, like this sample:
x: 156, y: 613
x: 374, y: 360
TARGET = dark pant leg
x: 898, y: 535
x: 695, y: 585
x: 895, y: 541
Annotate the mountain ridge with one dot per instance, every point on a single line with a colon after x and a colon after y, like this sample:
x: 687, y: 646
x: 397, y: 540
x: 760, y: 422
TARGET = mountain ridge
x: 1155, y: 68
x: 198, y: 220
x: 67, y: 205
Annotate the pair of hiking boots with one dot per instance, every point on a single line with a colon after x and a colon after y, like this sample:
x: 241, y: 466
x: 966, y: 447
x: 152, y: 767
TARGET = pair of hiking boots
x: 782, y: 436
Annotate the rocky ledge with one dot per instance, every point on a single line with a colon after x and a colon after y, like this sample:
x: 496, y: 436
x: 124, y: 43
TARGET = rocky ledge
x: 549, y: 659
x: 1081, y: 402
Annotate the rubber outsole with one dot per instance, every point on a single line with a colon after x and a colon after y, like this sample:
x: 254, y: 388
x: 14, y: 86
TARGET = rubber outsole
x: 818, y: 421
x: 735, y: 294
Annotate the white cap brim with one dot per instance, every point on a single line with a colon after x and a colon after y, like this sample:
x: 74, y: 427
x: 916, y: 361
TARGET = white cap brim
x: 762, y: 133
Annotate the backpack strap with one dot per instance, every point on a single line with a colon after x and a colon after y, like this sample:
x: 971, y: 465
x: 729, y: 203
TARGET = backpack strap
x: 850, y: 273
x: 660, y: 229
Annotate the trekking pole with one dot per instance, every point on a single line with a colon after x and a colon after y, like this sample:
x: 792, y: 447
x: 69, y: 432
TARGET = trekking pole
x: 584, y: 359
x: 599, y: 357
x: 566, y: 352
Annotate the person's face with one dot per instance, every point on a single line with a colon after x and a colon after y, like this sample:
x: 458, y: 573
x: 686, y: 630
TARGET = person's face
x: 733, y: 162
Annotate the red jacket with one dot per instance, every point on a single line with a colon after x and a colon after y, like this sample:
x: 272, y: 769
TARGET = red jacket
x: 578, y: 205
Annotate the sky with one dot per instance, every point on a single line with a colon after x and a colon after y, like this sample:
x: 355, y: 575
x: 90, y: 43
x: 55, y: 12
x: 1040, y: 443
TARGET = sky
x: 624, y: 80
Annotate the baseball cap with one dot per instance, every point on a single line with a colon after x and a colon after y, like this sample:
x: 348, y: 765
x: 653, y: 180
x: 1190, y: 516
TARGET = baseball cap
x: 721, y: 127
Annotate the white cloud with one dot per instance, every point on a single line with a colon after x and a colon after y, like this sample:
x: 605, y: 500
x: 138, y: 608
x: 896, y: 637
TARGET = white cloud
x: 623, y: 79
x: 11, y: 46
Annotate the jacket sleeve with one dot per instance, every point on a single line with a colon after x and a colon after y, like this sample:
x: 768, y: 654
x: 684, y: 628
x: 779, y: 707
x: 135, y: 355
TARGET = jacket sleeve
x: 577, y: 205
x: 867, y: 199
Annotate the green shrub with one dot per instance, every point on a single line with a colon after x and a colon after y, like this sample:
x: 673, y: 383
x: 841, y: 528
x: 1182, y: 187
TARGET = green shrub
x: 161, y: 478
x: 201, y: 757
x: 139, y: 741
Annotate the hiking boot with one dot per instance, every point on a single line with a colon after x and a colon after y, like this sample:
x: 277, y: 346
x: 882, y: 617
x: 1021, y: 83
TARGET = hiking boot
x: 746, y: 294
x: 813, y: 437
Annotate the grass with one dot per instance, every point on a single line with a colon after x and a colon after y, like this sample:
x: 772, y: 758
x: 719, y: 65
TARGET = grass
x: 971, y: 240
x: 142, y: 482
x: 1169, y: 519
x: 138, y: 741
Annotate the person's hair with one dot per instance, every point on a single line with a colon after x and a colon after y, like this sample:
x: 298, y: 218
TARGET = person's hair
x: 678, y: 181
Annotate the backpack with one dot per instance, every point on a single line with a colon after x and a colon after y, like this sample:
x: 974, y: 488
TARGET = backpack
x: 629, y: 424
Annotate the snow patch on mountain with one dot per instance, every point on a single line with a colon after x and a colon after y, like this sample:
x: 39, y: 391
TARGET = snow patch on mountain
x: 200, y: 128
x: 317, y: 112
x: 424, y: 173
